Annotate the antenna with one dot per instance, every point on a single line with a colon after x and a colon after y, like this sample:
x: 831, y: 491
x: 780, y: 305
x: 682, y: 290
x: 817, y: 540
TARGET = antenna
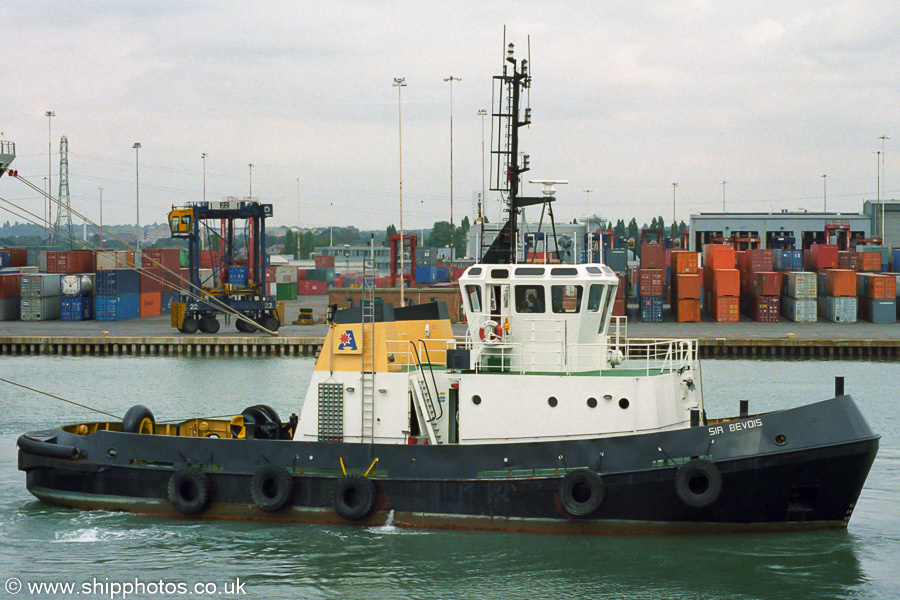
x: 548, y: 185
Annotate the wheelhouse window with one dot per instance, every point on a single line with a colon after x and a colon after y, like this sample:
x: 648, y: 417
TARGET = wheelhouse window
x: 530, y: 299
x: 594, y: 297
x: 566, y: 298
x: 473, y: 293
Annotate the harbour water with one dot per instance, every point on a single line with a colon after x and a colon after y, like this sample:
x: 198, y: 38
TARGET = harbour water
x: 107, y: 552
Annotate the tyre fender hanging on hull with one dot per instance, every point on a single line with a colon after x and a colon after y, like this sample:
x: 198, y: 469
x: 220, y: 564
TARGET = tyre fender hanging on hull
x: 189, y: 490
x: 581, y: 492
x: 354, y: 497
x: 698, y: 483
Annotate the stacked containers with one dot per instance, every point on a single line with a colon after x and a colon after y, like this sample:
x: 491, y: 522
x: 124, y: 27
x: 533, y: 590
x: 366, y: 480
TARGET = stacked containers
x: 169, y: 261
x: 651, y: 282
x: 118, y: 295
x: 40, y: 297
x: 798, y: 299
x: 285, y: 280
x: 310, y: 288
x: 820, y: 257
x: 869, y: 262
x: 108, y: 260
x: 10, y: 302
x: 721, y: 283
x: 848, y: 259
x: 837, y: 295
x: 150, y: 289
x: 788, y: 260
x: 760, y: 285
x: 619, y: 303
x: 877, y: 297
x: 686, y: 285
x: 77, y: 302
x: 74, y: 261
x: 18, y: 257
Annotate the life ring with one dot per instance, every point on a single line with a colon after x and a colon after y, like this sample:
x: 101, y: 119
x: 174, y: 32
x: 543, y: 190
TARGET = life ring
x: 698, y: 483
x: 581, y: 492
x: 354, y: 497
x: 490, y: 332
x: 271, y: 487
x: 138, y: 419
x: 189, y: 490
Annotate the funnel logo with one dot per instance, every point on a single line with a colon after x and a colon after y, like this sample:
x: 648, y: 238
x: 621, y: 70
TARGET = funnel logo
x: 347, y: 341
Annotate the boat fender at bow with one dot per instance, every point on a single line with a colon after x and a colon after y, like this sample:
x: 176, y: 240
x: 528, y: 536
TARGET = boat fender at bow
x: 581, y: 492
x: 354, y: 497
x: 698, y: 482
x: 271, y: 487
x: 138, y: 419
x: 46, y: 448
x: 189, y: 490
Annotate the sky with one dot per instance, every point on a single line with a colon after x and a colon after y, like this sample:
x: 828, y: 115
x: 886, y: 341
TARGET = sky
x: 627, y: 98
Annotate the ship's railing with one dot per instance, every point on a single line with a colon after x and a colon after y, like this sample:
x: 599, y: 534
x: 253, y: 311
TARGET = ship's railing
x: 657, y: 356
x: 428, y: 351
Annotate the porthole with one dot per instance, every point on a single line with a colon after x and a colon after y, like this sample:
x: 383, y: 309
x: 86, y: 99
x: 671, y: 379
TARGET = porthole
x: 623, y: 403
x: 112, y: 453
x: 781, y: 439
x: 552, y: 401
x: 592, y: 403
x: 476, y: 399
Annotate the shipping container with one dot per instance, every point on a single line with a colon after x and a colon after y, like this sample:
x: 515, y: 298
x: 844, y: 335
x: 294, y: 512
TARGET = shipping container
x: 150, y: 280
x: 10, y: 285
x: 800, y: 285
x: 687, y: 310
x: 117, y: 282
x: 878, y: 311
x: 151, y: 304
x: 622, y: 287
x: 687, y: 286
x: 5, y: 259
x: 723, y: 309
x: 761, y: 283
x: 239, y: 276
x: 618, y: 307
x: 167, y: 258
x: 876, y: 286
x: 848, y: 259
x: 788, y: 260
x: 18, y: 256
x: 762, y: 309
x: 869, y: 262
x: 799, y: 310
x: 38, y: 254
x: 651, y: 309
x: 821, y: 256
x: 617, y: 259
x: 442, y: 275
x: 718, y: 256
x: 722, y: 282
x: 77, y: 285
x: 684, y: 261
x: 210, y: 259
x: 324, y: 261
x: 895, y: 259
x: 40, y: 286
x: 841, y: 309
x: 117, y: 308
x: 108, y: 260
x: 755, y: 260
x: 286, y: 291
x: 285, y: 274
x: 76, y: 308
x: 311, y: 288
x: 40, y: 309
x: 840, y: 282
x: 10, y: 308
x: 73, y: 261
x: 650, y: 283
x: 653, y: 256
x: 165, y: 301
x: 425, y: 274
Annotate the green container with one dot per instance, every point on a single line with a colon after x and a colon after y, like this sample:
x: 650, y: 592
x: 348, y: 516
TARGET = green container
x: 285, y: 291
x: 184, y: 258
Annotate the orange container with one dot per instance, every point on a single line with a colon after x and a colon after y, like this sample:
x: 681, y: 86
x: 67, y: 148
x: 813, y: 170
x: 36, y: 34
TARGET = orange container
x: 150, y: 304
x: 882, y: 287
x: 687, y: 310
x: 840, y: 282
x: 687, y: 286
x: 869, y: 261
x: 684, y: 261
x: 723, y: 309
x: 722, y: 282
x: 718, y: 256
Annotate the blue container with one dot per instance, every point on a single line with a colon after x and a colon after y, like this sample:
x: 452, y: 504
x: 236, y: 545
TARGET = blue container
x: 238, y: 275
x: 117, y: 282
x: 5, y: 259
x: 442, y: 275
x: 118, y: 308
x: 895, y: 259
x: 76, y: 308
x: 788, y: 260
x: 651, y: 309
x: 426, y: 274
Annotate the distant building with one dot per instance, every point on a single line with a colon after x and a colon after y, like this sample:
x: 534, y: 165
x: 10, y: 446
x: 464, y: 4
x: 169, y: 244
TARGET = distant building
x: 351, y: 257
x: 891, y: 211
x: 806, y: 227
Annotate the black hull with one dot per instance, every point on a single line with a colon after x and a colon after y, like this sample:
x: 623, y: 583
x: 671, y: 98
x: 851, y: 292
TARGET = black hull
x: 812, y: 480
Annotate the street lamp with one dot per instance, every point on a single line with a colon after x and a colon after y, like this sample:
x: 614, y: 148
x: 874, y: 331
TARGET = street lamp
x: 400, y: 83
x: 101, y: 218
x: 824, y: 193
x: 49, y: 210
x: 723, y: 196
x: 451, y: 79
x: 203, y: 156
x: 137, y: 201
x: 878, y: 214
x: 251, y: 182
x: 882, y: 138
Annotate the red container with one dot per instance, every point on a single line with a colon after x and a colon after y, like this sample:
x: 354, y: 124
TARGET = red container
x: 170, y: 258
x: 869, y: 262
x: 848, y: 259
x: 18, y: 256
x: 270, y: 274
x: 821, y: 256
x: 687, y: 310
x: 687, y: 286
x: 150, y: 304
x: 755, y: 260
x: 622, y: 287
x: 301, y: 274
x: 312, y: 288
x: 619, y: 307
x: 761, y: 283
x: 718, y: 256
x: 324, y: 262
x: 210, y: 259
x: 74, y: 261
x: 763, y: 309
x: 722, y: 282
x: 653, y: 256
x: 651, y: 282
x: 840, y: 282
x: 723, y: 309
x: 684, y: 261
x: 10, y: 285
x: 151, y: 279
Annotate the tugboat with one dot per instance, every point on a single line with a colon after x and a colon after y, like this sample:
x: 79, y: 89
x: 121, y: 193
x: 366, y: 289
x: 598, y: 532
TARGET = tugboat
x: 544, y: 418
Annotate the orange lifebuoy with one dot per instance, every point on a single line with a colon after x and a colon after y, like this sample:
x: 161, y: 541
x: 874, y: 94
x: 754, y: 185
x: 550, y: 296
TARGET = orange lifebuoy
x: 490, y: 332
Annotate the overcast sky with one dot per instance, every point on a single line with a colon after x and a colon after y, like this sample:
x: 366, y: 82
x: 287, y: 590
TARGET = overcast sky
x: 627, y: 99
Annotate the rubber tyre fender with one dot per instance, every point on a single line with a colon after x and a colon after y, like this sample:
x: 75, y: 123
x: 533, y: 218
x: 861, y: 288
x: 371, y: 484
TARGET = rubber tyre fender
x: 135, y: 420
x: 354, y: 497
x: 189, y: 490
x: 581, y: 492
x: 271, y: 487
x: 698, y: 482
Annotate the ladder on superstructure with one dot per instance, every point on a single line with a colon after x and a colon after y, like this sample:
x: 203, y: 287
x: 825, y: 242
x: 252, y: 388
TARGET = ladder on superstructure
x: 368, y: 350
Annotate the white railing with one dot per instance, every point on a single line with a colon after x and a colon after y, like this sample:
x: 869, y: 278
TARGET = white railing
x: 657, y: 356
